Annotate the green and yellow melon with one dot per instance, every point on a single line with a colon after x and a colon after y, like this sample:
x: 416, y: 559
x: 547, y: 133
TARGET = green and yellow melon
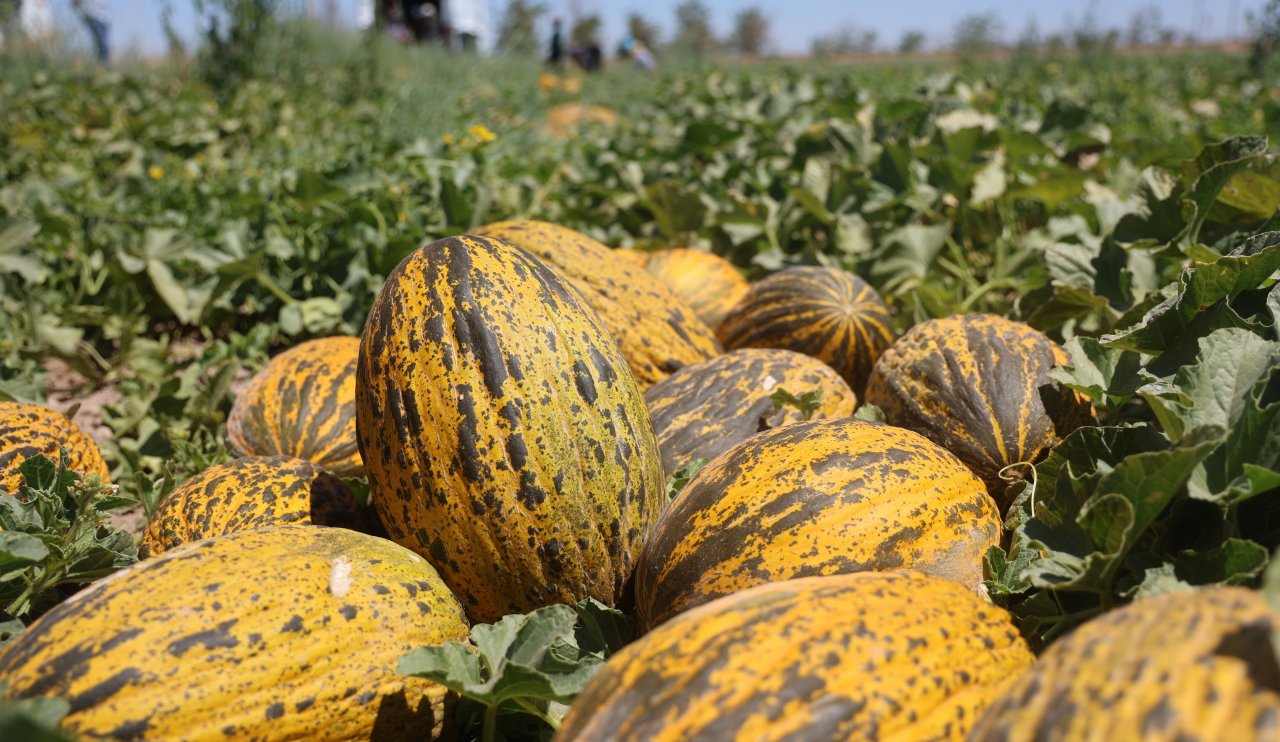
x: 281, y: 633
x: 707, y: 282
x: 816, y: 498
x: 250, y: 492
x: 978, y: 385
x: 303, y: 404
x: 706, y: 408
x: 28, y: 430
x: 657, y: 332
x: 1196, y: 664
x: 874, y: 655
x: 502, y: 435
x: 827, y: 313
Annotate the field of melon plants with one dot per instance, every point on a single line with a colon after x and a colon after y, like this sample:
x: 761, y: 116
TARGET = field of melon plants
x: 406, y: 396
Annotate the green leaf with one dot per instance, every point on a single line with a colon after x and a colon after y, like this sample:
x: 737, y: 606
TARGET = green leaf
x: 527, y: 664
x: 1108, y: 376
x: 1248, y: 463
x: 18, y: 551
x: 676, y: 208
x: 15, y: 258
x: 1217, y: 164
x: 1253, y: 194
x: 1158, y: 580
x: 1212, y: 391
x: 1202, y: 286
x: 602, y: 630
x: 1234, y: 562
x: 870, y: 413
x: 56, y: 536
x: 32, y: 719
x: 682, y: 476
x: 807, y: 403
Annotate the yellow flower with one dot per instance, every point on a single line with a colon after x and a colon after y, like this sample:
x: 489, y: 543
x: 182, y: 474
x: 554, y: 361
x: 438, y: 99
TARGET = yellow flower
x: 156, y: 172
x: 447, y: 140
x: 402, y: 217
x: 482, y: 132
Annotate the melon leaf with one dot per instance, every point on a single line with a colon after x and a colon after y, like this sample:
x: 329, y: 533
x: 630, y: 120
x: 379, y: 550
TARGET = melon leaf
x: 529, y: 665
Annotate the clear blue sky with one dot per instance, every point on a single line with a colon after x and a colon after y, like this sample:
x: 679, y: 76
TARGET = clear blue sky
x: 794, y: 22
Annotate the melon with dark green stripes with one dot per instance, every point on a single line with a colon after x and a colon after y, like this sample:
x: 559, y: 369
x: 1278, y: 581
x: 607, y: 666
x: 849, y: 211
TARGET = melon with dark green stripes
x: 503, y: 436
x: 816, y: 498
x: 280, y: 633
x: 827, y: 313
x: 868, y: 656
x: 250, y: 492
x: 303, y: 404
x: 1184, y: 665
x: 709, y: 283
x: 656, y: 330
x: 703, y: 410
x: 978, y: 385
x: 28, y: 430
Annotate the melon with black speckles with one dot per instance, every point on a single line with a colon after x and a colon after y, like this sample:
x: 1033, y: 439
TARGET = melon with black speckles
x: 827, y: 313
x: 657, y: 332
x: 703, y: 410
x: 816, y: 498
x: 979, y: 386
x: 281, y: 633
x: 28, y: 430
x: 303, y: 404
x: 892, y: 656
x: 250, y: 492
x: 710, y: 284
x: 1187, y: 665
x: 502, y: 435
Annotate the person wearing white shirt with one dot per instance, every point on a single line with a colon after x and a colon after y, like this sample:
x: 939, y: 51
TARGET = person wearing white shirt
x: 469, y: 22
x: 97, y: 16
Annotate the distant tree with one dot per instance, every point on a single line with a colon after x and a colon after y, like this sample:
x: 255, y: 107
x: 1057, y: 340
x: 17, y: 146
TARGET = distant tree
x: 1266, y: 40
x: 1146, y: 25
x: 1055, y: 46
x: 586, y: 30
x: 750, y: 32
x: 518, y: 31
x: 693, y: 29
x: 976, y: 34
x: 643, y: 30
x: 1028, y: 42
x: 1088, y: 36
x: 911, y: 42
x: 846, y: 40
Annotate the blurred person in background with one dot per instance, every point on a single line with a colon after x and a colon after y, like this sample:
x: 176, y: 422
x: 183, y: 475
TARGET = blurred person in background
x: 556, y: 55
x: 639, y: 54
x: 97, y: 17
x: 468, y: 21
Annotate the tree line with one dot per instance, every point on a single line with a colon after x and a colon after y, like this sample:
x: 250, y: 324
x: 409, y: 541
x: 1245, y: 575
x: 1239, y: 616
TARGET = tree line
x: 972, y: 36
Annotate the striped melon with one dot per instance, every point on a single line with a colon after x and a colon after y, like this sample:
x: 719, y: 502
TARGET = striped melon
x: 27, y: 430
x: 657, y: 332
x: 707, y: 282
x: 503, y: 437
x: 250, y: 492
x: 816, y: 498
x: 894, y: 656
x: 827, y: 313
x: 281, y: 633
x: 705, y: 409
x: 303, y: 404
x: 1179, y: 666
x: 978, y: 385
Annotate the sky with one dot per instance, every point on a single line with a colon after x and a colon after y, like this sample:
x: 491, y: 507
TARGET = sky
x: 794, y: 23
